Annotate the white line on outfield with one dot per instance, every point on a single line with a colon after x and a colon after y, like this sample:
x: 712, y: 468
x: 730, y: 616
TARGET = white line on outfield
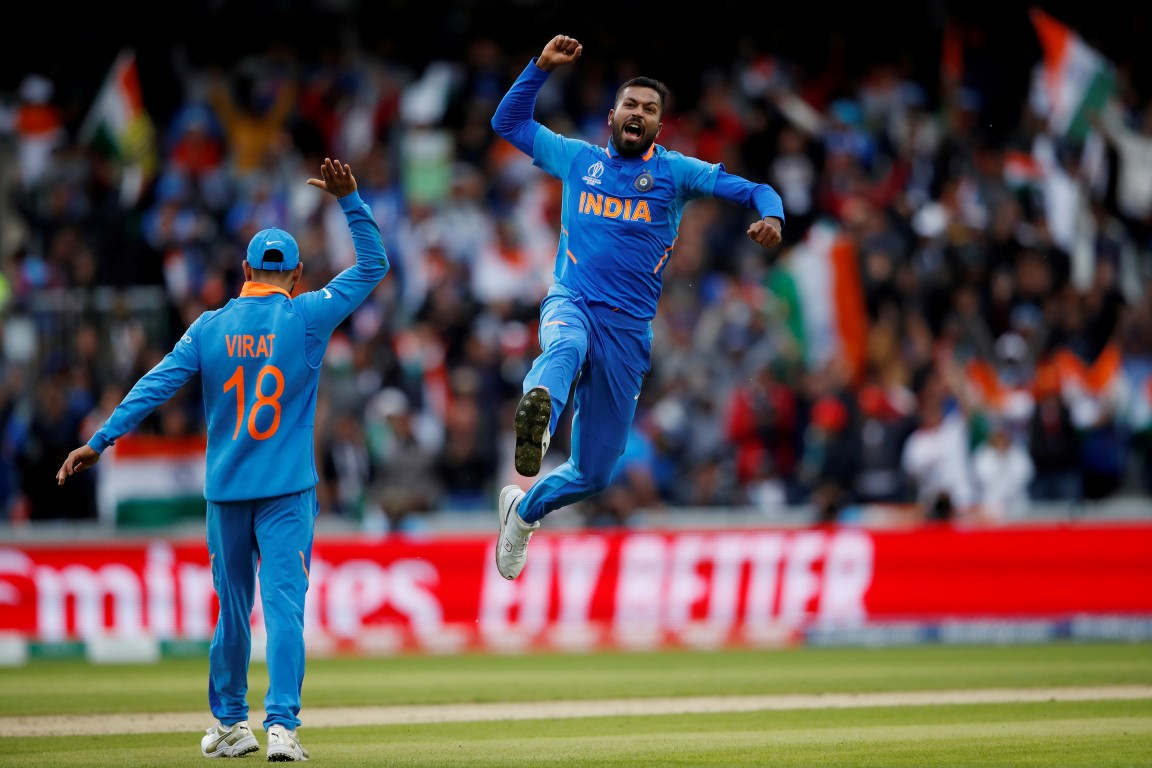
x: 330, y: 717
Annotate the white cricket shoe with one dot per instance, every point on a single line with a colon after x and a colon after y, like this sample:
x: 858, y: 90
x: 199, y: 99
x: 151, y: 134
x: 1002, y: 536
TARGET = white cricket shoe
x: 225, y: 741
x: 533, y: 417
x: 512, y: 546
x: 284, y: 746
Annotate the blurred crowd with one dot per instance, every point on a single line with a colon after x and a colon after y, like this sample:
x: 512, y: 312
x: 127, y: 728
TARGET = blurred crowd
x: 1003, y: 286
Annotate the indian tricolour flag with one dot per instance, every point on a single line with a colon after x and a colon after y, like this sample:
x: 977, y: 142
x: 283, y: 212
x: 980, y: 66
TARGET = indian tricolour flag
x: 819, y: 285
x: 1075, y: 81
x: 1021, y: 169
x: 118, y: 125
x: 1093, y: 388
x: 145, y: 479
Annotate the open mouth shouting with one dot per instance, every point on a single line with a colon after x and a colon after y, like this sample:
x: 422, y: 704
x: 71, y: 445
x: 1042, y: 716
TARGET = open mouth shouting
x: 630, y: 137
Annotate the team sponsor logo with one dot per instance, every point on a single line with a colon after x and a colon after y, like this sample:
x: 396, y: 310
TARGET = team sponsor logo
x: 594, y: 173
x: 643, y: 182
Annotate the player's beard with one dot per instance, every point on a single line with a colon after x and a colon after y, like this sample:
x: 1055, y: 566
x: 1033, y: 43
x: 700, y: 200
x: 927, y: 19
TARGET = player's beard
x: 628, y: 146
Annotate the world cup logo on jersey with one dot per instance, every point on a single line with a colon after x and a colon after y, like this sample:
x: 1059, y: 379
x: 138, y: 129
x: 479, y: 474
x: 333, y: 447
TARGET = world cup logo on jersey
x: 643, y: 182
x: 593, y: 174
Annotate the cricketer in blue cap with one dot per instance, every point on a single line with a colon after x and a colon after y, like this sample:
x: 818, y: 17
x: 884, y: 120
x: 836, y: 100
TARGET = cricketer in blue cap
x: 273, y: 249
x: 258, y: 359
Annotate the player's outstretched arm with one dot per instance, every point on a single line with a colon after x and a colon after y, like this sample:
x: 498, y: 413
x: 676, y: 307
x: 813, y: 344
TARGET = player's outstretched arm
x: 559, y: 50
x: 336, y: 177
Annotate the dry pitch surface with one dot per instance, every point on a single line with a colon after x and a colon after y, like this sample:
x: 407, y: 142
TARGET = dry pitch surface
x: 72, y: 725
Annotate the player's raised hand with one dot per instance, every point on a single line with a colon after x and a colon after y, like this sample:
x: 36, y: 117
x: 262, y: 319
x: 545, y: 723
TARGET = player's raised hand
x: 766, y: 232
x: 560, y: 50
x: 336, y: 178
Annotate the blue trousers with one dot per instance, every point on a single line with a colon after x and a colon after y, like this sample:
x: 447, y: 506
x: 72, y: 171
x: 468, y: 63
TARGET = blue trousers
x: 274, y: 535
x: 606, y: 354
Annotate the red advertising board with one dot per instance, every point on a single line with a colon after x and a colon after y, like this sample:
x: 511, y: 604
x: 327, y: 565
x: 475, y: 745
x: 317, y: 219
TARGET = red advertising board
x: 599, y: 588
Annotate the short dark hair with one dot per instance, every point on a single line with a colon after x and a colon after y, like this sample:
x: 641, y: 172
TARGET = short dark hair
x: 646, y: 82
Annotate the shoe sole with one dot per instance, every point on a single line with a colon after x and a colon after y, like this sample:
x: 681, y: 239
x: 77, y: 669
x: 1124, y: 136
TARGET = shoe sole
x: 285, y: 755
x: 531, y: 424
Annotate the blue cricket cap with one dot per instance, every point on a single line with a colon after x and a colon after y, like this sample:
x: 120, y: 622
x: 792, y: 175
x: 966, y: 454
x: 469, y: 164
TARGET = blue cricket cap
x: 273, y: 249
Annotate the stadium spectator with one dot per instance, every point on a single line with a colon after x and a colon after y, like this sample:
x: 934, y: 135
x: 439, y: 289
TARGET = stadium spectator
x: 347, y: 471
x: 51, y: 433
x: 936, y: 457
x: 253, y: 108
x: 407, y: 485
x: 1053, y: 442
x: 831, y: 457
x: 763, y: 426
x: 1002, y: 471
x: 467, y: 463
x: 885, y: 423
x: 38, y: 124
x: 794, y: 172
x: 1129, y: 132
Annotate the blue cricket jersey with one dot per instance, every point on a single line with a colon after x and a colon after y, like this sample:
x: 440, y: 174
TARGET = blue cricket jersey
x: 259, y: 359
x: 619, y: 216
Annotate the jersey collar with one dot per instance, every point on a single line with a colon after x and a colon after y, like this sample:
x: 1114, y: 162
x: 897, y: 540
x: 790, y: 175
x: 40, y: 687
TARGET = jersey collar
x: 261, y: 289
x: 612, y: 152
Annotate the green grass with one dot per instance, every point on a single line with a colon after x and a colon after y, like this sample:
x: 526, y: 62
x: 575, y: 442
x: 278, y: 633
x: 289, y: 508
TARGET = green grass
x: 1047, y: 733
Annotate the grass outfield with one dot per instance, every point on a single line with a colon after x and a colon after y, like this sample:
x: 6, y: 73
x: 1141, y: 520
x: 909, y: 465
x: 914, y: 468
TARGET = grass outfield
x: 874, y: 726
